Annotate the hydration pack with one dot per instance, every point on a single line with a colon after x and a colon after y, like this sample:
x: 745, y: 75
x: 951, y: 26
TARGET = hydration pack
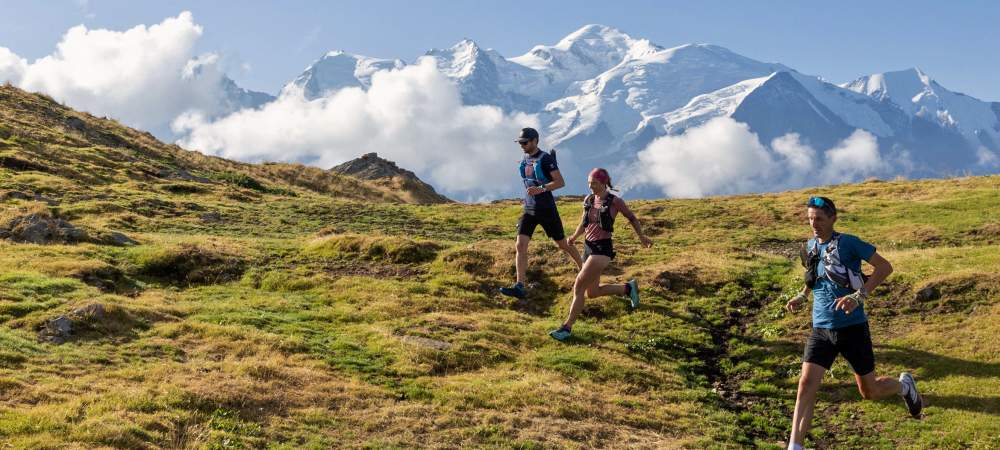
x: 606, y: 219
x: 539, y: 173
x: 834, y: 270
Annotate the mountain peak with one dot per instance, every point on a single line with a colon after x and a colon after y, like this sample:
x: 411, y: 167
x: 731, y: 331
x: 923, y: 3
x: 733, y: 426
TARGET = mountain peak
x: 900, y: 85
x: 371, y: 167
x: 593, y: 31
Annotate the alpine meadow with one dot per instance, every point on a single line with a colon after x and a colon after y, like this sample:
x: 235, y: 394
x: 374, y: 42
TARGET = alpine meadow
x: 154, y: 297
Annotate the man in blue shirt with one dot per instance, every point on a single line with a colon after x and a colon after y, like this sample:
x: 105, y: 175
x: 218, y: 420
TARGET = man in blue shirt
x: 541, y: 176
x: 833, y: 262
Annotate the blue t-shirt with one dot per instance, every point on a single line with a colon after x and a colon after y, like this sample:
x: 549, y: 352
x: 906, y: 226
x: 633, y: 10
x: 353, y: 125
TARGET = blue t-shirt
x: 545, y: 200
x: 825, y: 292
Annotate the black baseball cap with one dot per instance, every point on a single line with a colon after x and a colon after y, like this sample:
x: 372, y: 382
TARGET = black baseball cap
x: 526, y: 135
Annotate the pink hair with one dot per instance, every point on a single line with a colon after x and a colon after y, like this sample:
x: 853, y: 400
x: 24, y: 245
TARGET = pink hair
x: 601, y: 175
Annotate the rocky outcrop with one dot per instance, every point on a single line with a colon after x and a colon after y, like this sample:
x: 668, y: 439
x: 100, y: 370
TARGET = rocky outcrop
x: 370, y: 167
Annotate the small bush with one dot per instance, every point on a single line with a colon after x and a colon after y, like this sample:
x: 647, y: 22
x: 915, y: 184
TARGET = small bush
x: 242, y: 180
x: 246, y: 181
x: 391, y: 249
x: 470, y: 261
x: 188, y: 263
x: 184, y: 188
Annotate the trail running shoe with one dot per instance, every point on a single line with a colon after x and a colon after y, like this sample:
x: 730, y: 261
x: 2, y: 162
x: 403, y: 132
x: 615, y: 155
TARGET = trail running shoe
x: 516, y: 291
x: 633, y: 293
x: 561, y: 334
x: 914, y: 402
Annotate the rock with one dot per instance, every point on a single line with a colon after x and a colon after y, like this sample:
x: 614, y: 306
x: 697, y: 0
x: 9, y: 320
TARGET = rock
x: 14, y: 195
x: 56, y: 331
x: 93, y: 311
x: 41, y: 198
x: 210, y: 217
x: 370, y: 167
x: 119, y: 239
x: 38, y: 228
x: 927, y: 294
x: 433, y: 344
x: 180, y: 174
x: 34, y: 229
x: 75, y: 123
x: 69, y: 233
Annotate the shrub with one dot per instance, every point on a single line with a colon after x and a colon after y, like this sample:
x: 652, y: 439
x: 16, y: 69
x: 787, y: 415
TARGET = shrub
x: 391, y: 249
x: 188, y: 263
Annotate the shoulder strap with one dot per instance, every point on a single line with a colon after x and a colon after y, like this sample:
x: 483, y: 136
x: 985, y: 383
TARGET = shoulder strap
x: 539, y: 171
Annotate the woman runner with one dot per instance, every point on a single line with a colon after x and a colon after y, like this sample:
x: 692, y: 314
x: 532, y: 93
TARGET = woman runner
x: 596, y: 224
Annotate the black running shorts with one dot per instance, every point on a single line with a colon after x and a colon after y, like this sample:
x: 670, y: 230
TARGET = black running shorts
x: 854, y: 342
x: 549, y: 220
x: 598, y: 247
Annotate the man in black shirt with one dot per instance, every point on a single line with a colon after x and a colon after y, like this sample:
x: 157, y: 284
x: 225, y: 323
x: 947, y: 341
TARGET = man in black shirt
x: 541, y: 176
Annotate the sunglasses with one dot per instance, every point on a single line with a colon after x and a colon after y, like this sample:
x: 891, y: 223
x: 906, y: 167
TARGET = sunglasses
x: 817, y: 202
x: 524, y: 141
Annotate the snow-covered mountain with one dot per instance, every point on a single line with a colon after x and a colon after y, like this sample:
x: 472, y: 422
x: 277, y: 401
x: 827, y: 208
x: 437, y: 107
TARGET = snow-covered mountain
x: 919, y: 96
x: 604, y: 95
x: 235, y: 98
x: 337, y: 70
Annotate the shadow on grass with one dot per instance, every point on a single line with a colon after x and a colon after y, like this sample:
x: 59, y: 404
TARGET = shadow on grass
x: 987, y: 405
x: 935, y: 366
x: 542, y: 294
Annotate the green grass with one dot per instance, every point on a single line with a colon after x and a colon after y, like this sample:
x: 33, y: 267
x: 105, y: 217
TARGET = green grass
x: 300, y: 316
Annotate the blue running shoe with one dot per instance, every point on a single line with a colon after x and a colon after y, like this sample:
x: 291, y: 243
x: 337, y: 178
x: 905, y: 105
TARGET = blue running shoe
x: 633, y: 293
x: 516, y: 291
x: 561, y: 334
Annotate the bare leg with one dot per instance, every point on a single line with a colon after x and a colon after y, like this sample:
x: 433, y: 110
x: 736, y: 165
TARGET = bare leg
x: 600, y: 290
x: 572, y: 252
x: 588, y: 276
x: 521, y: 261
x: 805, y: 400
x: 872, y: 388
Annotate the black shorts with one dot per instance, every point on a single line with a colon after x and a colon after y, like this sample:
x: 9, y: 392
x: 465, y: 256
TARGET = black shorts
x: 854, y: 342
x: 547, y: 218
x: 600, y: 247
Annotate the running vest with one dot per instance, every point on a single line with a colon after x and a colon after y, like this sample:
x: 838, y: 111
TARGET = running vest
x: 539, y: 173
x: 835, y: 271
x: 606, y: 219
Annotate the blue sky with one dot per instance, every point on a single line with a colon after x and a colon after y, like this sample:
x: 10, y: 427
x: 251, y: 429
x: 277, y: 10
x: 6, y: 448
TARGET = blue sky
x: 265, y: 44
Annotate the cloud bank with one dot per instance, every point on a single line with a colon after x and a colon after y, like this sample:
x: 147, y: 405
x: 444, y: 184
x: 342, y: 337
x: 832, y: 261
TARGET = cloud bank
x: 724, y: 157
x: 413, y: 116
x: 143, y: 76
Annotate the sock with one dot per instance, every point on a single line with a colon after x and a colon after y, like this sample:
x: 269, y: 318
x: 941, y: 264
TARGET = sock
x: 794, y: 446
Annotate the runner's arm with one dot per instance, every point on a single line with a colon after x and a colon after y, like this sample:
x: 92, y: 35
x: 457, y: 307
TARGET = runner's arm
x: 632, y: 220
x: 882, y: 271
x: 579, y: 229
x: 556, y: 183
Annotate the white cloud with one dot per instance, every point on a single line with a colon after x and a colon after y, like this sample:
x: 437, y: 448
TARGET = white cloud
x: 413, y: 116
x: 986, y: 158
x: 720, y: 157
x: 852, y: 159
x: 724, y: 157
x: 140, y: 76
x: 12, y: 67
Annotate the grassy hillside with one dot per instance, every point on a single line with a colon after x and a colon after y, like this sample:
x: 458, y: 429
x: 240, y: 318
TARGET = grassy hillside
x: 262, y: 307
